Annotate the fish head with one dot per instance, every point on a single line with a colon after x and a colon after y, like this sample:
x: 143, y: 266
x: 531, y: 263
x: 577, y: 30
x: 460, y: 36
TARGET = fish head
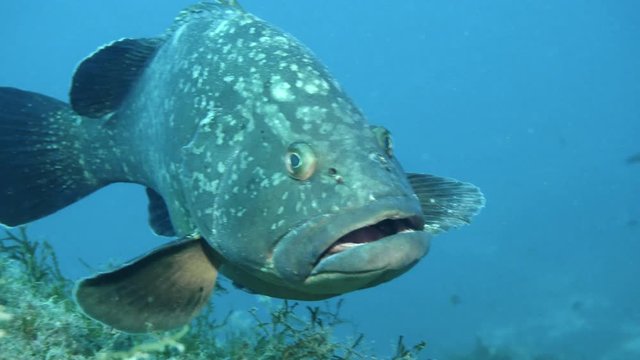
x: 309, y: 216
x: 312, y: 209
x: 286, y: 180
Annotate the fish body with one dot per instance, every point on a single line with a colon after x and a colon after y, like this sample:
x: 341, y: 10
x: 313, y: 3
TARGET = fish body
x: 252, y: 156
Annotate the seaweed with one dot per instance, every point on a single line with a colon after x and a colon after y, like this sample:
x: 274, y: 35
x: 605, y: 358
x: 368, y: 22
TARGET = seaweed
x: 405, y: 353
x: 38, y: 258
x: 39, y: 320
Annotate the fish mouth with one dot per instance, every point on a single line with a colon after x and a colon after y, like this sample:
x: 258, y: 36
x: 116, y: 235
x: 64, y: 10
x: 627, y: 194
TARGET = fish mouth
x: 353, y: 248
x: 374, y: 232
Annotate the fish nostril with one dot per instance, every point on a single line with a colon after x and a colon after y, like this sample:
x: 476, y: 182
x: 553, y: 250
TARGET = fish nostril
x: 334, y: 174
x: 380, y: 159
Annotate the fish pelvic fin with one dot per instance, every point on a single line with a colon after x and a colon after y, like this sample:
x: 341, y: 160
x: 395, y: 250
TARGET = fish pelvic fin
x: 446, y: 203
x: 162, y: 290
x: 44, y: 164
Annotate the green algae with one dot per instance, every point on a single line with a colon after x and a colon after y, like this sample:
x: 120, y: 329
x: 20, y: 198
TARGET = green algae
x: 39, y: 320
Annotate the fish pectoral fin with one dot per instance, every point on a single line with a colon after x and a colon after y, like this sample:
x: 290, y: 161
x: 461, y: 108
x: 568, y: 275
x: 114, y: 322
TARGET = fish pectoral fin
x: 446, y: 203
x: 159, y: 218
x: 162, y: 290
x: 103, y: 80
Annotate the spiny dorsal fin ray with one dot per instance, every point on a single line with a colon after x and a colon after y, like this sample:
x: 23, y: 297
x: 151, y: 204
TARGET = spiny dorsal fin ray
x: 103, y: 80
x: 160, y: 291
x: 446, y: 203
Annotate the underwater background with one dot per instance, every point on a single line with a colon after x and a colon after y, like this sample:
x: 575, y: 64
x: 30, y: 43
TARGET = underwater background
x: 536, y: 102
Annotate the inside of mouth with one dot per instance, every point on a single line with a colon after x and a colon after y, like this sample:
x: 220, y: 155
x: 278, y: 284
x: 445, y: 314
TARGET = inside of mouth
x: 371, y: 233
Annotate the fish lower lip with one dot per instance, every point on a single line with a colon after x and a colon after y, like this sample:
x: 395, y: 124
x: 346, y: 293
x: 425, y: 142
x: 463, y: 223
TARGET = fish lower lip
x: 369, y: 264
x: 372, y: 233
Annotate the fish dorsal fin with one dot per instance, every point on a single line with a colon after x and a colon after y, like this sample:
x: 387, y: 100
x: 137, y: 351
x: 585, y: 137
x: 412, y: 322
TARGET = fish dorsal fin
x: 103, y: 80
x: 446, y: 203
x: 162, y: 290
x: 159, y: 218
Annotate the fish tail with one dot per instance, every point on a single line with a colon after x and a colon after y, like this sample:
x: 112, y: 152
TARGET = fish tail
x: 43, y: 164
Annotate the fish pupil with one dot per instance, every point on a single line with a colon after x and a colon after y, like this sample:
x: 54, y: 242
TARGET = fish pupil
x: 294, y: 160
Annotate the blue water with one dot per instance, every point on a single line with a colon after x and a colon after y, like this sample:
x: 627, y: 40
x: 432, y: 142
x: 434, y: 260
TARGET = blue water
x: 536, y: 102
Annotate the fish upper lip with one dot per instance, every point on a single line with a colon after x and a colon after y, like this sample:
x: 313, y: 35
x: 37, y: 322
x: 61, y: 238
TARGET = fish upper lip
x: 320, y: 233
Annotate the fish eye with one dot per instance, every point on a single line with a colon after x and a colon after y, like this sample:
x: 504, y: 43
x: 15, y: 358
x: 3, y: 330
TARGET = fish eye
x: 384, y: 139
x: 300, y: 161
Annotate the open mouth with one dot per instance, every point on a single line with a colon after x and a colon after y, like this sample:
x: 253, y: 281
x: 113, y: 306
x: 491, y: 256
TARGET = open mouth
x: 371, y: 233
x: 382, y: 237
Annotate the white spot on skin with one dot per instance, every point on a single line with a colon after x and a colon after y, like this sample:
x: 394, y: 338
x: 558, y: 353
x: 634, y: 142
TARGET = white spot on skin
x: 221, y: 167
x: 275, y: 119
x: 311, y: 88
x: 206, y: 122
x: 281, y: 90
x: 311, y: 114
x: 219, y: 134
x: 195, y: 71
x: 277, y: 178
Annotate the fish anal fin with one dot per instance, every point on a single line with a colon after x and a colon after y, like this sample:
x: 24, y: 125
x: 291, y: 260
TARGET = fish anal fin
x: 103, y: 80
x: 159, y: 218
x: 162, y: 290
x: 446, y: 203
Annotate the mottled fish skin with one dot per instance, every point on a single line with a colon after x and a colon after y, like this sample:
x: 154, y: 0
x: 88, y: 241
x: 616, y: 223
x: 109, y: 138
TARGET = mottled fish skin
x: 208, y: 127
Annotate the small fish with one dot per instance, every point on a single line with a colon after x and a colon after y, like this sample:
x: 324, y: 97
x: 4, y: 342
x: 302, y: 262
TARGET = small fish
x: 455, y: 299
x: 254, y: 160
x: 577, y: 305
x: 633, y: 159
